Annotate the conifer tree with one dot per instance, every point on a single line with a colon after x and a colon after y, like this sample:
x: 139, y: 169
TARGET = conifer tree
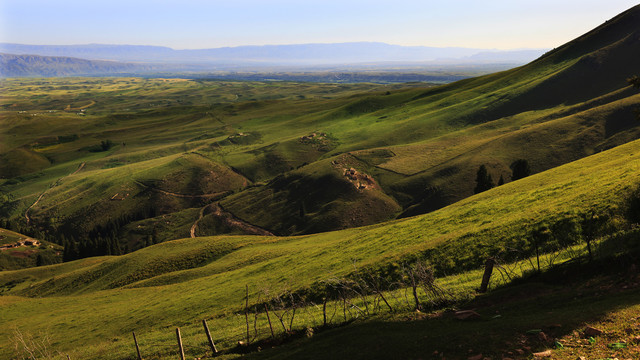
x: 520, y: 169
x: 483, y: 180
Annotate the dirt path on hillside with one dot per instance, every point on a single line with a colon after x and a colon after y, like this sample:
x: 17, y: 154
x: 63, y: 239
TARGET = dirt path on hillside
x: 226, y: 217
x: 185, y: 196
x: 231, y: 221
x: 26, y: 213
x: 195, y: 224
x: 69, y: 108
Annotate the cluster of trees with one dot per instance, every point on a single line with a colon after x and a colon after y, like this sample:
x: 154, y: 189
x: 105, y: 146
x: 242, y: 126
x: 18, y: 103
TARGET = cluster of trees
x: 104, y: 239
x: 519, y: 169
x: 25, y: 230
x: 75, y: 249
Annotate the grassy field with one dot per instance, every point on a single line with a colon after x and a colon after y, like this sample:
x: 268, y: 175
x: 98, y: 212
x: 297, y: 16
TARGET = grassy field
x: 260, y: 145
x: 176, y: 283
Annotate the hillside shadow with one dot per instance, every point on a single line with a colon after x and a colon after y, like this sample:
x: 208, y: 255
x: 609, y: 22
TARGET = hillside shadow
x: 559, y: 302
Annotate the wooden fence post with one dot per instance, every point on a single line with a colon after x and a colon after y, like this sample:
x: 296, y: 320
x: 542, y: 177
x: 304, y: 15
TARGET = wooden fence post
x: 266, y: 309
x: 488, y: 269
x: 324, y: 312
x: 135, y: 340
x: 206, y: 330
x: 246, y: 314
x: 180, y: 343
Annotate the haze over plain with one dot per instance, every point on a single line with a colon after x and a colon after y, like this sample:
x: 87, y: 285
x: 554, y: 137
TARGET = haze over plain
x: 198, y: 24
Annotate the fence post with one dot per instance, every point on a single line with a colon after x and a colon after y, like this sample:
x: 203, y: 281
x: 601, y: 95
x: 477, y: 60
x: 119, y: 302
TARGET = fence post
x: 206, y: 330
x: 180, y: 343
x: 266, y: 309
x: 488, y: 269
x: 135, y: 340
x: 246, y: 313
x: 324, y: 311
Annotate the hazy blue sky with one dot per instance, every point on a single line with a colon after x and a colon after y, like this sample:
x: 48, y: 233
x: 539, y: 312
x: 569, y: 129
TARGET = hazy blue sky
x: 189, y: 24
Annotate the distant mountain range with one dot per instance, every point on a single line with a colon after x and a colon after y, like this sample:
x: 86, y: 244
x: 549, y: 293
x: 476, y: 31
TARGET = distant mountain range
x: 36, y: 65
x: 270, y: 55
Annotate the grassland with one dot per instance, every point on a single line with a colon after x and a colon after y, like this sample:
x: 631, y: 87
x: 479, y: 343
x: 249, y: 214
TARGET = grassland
x: 178, y: 282
x: 276, y: 154
x: 264, y: 144
x: 418, y: 146
x: 126, y: 166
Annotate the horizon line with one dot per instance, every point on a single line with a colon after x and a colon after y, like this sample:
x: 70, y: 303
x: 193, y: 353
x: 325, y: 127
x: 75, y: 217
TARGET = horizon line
x: 289, y: 44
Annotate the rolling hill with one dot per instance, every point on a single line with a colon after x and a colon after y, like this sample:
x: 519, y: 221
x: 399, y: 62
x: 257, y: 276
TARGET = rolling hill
x: 293, y: 158
x: 176, y: 283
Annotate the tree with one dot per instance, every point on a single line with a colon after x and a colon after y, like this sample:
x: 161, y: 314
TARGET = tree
x: 40, y: 260
x: 520, y: 169
x: 483, y: 180
x: 501, y: 181
x: 592, y: 225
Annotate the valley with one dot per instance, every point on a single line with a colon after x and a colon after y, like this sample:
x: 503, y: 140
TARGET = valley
x: 315, y: 220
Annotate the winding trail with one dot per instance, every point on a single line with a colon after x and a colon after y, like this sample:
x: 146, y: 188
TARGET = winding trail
x: 69, y: 108
x: 186, y: 196
x: 26, y: 213
x: 195, y: 224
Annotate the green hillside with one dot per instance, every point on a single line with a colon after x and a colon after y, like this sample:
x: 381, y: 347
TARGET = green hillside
x: 176, y: 283
x: 296, y: 158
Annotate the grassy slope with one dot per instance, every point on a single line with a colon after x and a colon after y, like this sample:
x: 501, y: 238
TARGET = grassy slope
x: 548, y: 112
x: 178, y: 282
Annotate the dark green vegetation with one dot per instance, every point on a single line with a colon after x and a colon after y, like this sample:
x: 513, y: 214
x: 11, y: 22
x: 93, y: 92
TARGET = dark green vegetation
x: 180, y: 158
